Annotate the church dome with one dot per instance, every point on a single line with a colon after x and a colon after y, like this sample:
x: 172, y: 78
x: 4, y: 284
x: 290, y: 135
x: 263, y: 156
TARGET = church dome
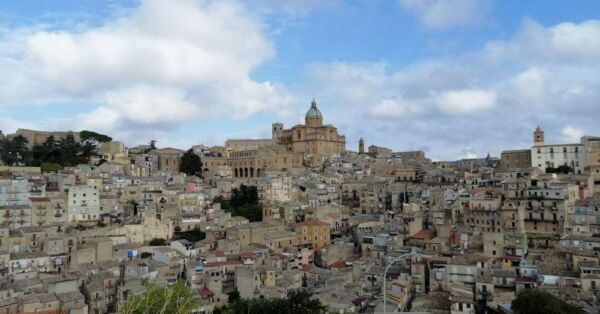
x: 313, y: 111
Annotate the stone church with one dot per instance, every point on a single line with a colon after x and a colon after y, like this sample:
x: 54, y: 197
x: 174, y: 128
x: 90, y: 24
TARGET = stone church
x: 313, y: 139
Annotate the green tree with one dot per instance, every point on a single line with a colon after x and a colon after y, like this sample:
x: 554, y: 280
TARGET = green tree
x: 536, y: 301
x: 47, y: 152
x: 233, y: 296
x: 176, y: 299
x: 244, y: 202
x: 69, y: 150
x: 193, y: 235
x: 91, y: 135
x: 191, y: 163
x: 560, y: 169
x: 14, y: 151
x: 158, y: 242
x: 89, y: 148
x: 296, y: 303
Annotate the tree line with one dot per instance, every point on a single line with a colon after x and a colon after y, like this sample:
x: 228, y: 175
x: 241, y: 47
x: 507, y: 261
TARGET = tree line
x: 53, y: 153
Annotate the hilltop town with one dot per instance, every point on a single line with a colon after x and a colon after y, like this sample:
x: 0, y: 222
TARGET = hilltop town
x: 87, y: 223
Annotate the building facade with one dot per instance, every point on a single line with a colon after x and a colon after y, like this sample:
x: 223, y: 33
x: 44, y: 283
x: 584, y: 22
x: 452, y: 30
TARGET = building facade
x: 313, y: 139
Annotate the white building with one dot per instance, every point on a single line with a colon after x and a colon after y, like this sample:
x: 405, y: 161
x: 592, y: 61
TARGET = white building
x: 555, y: 155
x: 83, y: 204
x: 14, y: 192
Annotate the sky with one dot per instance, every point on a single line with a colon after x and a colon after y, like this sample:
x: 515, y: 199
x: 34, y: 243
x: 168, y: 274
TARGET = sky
x: 454, y: 78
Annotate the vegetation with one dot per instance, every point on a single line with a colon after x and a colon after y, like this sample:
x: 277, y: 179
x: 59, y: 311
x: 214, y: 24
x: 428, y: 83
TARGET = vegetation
x: 14, y: 151
x: 191, y: 164
x: 151, y: 146
x: 91, y: 135
x: 535, y: 301
x: 158, y: 242
x: 51, y: 166
x: 244, y: 202
x: 560, y: 169
x: 193, y: 235
x: 53, y: 154
x: 295, y: 303
x: 176, y: 299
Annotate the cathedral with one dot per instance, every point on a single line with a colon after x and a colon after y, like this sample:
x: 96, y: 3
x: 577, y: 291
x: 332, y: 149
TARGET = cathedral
x: 313, y: 139
x: 287, y: 150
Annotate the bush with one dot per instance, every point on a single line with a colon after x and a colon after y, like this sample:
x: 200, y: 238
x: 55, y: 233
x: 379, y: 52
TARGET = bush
x: 158, y: 242
x: 174, y: 299
x: 50, y: 166
x: 536, y: 301
x: 193, y: 235
x: 295, y: 303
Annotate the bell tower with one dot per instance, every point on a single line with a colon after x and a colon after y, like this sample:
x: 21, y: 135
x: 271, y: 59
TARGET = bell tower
x: 277, y: 130
x: 361, y: 146
x: 538, y: 137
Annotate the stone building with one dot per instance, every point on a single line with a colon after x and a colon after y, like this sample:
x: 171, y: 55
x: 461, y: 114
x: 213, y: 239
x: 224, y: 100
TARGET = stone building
x: 314, y: 233
x: 515, y: 159
x: 313, y: 139
x: 247, y: 144
x: 168, y: 159
x: 379, y: 151
x: 546, y: 156
x: 39, y: 137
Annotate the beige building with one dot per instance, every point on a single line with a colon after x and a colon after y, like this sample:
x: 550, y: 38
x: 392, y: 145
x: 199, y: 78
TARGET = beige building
x: 515, y: 159
x: 278, y: 241
x: 313, y: 139
x: 379, y: 151
x: 255, y: 232
x: 168, y: 159
x: 314, y: 233
x: 247, y: 144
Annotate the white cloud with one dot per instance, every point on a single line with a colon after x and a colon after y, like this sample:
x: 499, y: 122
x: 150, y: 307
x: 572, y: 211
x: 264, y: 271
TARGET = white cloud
x: 466, y: 101
x: 471, y: 100
x: 441, y: 14
x: 571, y: 134
x: 395, y: 108
x: 164, y: 63
x: 561, y: 43
x: 11, y: 125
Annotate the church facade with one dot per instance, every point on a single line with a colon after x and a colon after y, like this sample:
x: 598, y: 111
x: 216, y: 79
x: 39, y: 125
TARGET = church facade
x: 313, y: 139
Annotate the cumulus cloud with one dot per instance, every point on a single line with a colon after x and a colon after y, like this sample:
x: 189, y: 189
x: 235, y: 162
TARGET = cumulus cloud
x: 473, y: 100
x: 162, y: 64
x: 442, y: 14
x: 564, y: 43
x: 466, y: 101
x: 571, y: 134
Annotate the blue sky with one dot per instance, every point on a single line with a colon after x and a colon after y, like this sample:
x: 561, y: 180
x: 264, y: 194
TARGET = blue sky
x: 456, y: 78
